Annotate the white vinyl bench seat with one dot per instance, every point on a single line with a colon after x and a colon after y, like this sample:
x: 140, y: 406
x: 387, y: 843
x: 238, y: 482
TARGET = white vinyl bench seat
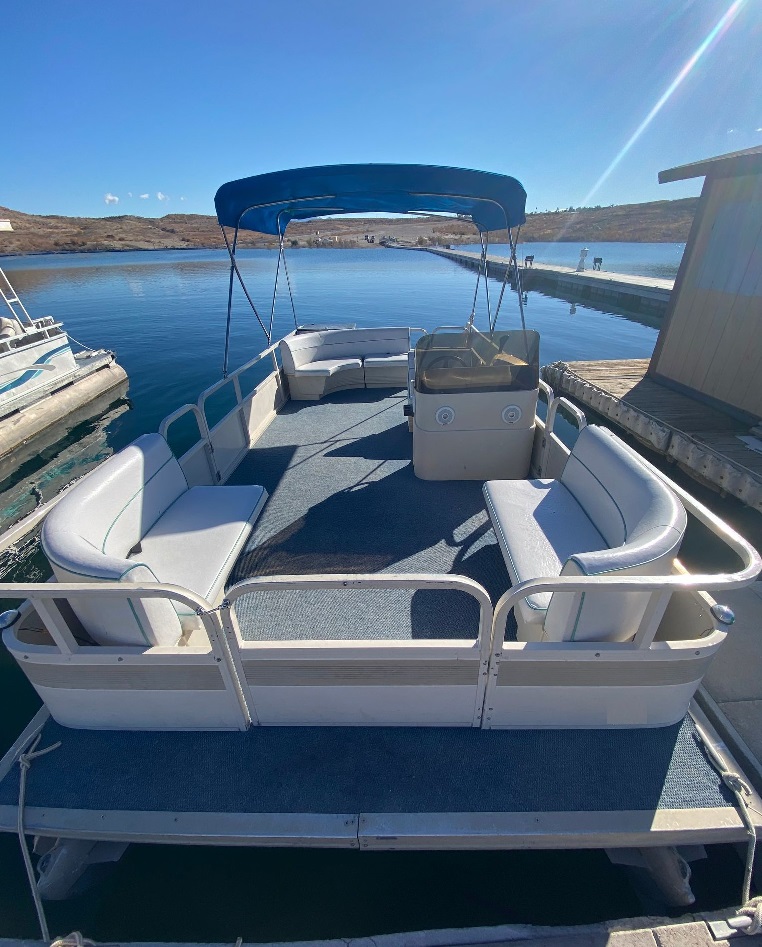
x: 317, y: 363
x: 539, y: 526
x: 135, y: 520
x: 608, y: 513
x: 210, y: 525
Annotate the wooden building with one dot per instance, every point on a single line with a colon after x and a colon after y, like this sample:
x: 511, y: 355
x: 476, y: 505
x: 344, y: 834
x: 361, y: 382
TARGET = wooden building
x: 710, y: 344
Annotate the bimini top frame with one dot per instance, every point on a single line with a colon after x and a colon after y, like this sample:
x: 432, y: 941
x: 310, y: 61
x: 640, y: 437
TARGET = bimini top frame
x: 267, y: 203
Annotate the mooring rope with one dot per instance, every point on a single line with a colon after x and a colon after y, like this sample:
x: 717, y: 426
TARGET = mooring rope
x: 25, y: 763
x: 751, y: 907
x: 75, y: 939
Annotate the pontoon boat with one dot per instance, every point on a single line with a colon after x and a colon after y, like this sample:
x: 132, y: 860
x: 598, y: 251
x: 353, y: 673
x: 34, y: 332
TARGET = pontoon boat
x: 386, y: 532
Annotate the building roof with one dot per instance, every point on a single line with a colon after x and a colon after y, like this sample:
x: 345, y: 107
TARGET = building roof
x: 725, y: 166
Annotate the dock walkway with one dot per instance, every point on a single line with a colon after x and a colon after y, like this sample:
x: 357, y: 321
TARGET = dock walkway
x: 635, y: 293
x: 704, y: 441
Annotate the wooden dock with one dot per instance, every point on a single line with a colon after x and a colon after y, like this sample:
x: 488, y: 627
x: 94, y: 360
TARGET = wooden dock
x: 644, y: 294
x: 705, y: 442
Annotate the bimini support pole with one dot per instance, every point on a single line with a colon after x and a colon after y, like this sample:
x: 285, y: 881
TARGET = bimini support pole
x: 484, y: 240
x: 517, y: 275
x: 230, y: 301
x: 482, y: 265
x: 288, y: 278
x: 506, y: 274
x: 234, y: 269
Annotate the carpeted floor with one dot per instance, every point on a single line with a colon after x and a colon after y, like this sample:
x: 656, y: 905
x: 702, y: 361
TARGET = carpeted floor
x: 343, y: 498
x: 372, y: 769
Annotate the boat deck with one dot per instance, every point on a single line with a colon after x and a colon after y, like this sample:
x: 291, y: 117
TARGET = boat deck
x: 377, y: 787
x: 343, y: 498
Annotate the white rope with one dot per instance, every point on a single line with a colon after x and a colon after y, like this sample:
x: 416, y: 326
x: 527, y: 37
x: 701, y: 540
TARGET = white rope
x: 75, y: 939
x: 752, y: 907
x: 25, y: 762
x: 753, y: 910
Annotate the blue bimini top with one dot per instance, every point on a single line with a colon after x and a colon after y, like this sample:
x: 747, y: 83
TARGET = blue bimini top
x: 267, y: 202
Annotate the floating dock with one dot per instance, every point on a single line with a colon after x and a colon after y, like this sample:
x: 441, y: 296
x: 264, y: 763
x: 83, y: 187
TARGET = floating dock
x: 643, y: 294
x: 715, y: 448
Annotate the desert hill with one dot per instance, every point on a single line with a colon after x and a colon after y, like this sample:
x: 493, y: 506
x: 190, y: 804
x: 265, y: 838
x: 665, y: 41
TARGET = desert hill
x: 658, y: 221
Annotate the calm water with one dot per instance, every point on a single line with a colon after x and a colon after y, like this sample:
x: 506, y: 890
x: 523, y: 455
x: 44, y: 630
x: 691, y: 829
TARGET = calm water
x: 164, y: 314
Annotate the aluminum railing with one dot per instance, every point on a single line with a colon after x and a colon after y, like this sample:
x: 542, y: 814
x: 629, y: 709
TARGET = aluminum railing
x: 412, y: 580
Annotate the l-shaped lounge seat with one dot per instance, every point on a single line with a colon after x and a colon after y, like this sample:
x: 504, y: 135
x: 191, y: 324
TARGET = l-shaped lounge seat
x: 317, y: 363
x: 606, y: 514
x: 135, y: 520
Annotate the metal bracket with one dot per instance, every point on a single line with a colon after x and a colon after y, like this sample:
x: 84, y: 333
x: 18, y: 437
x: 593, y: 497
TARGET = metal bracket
x: 224, y: 604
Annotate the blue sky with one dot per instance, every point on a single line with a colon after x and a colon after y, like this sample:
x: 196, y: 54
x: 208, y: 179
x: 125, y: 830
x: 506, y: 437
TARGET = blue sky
x: 130, y: 97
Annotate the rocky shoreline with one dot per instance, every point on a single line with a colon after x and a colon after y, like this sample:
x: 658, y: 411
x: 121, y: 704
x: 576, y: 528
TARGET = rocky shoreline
x: 655, y: 222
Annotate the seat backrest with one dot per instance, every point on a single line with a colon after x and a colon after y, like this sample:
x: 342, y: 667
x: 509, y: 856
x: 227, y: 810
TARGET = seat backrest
x: 642, y: 522
x: 89, y: 535
x: 299, y: 350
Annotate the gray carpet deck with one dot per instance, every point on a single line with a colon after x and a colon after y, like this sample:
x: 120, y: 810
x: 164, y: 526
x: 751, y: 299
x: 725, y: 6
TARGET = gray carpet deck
x: 343, y: 498
x: 372, y: 769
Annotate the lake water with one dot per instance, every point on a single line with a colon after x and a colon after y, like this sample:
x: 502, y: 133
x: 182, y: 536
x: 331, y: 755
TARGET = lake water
x: 164, y: 315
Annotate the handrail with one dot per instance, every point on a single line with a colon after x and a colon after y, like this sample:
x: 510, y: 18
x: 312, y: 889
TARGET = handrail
x: 547, y: 390
x: 57, y: 589
x: 634, y: 583
x: 411, y: 580
x: 212, y: 389
x: 170, y: 419
x: 555, y: 404
x: 208, y: 614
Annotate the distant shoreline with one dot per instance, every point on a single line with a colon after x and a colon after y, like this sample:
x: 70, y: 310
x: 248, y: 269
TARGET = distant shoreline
x: 89, y: 252
x: 32, y: 235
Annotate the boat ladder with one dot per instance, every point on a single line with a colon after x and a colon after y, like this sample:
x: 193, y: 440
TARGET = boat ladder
x: 11, y: 300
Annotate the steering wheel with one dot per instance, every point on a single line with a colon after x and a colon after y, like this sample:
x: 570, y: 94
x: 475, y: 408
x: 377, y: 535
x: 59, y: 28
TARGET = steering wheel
x: 435, y: 363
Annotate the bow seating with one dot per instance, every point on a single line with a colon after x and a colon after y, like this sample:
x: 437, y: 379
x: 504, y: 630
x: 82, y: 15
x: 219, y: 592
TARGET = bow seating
x: 606, y: 514
x: 136, y: 520
x: 317, y: 363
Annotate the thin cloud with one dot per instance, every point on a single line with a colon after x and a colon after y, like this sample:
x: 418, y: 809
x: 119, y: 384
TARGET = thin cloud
x: 129, y: 193
x: 162, y: 197
x: 183, y: 198
x: 110, y: 198
x: 144, y: 197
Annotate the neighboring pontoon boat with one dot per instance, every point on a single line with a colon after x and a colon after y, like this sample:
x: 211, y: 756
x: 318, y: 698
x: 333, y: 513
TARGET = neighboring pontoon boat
x: 43, y: 382
x: 309, y: 564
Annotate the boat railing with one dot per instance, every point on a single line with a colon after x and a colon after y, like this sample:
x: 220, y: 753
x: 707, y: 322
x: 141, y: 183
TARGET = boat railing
x: 398, y: 654
x: 231, y: 437
x: 222, y: 445
x: 198, y: 461
x: 44, y: 598
x: 412, y: 580
x: 554, y: 452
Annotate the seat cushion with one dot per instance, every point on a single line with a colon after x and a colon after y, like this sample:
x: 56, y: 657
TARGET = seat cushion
x: 386, y: 361
x: 539, y: 525
x: 306, y: 348
x: 328, y: 366
x: 196, y: 542
x: 107, y: 513
x: 623, y: 498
